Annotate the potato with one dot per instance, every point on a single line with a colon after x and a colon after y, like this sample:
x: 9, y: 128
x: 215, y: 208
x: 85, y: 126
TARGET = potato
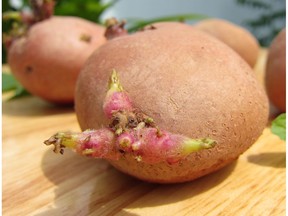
x: 190, y: 84
x: 275, y: 78
x: 236, y: 37
x: 48, y: 59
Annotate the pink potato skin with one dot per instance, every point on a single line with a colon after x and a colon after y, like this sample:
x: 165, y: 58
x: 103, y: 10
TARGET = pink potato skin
x: 195, y: 86
x: 48, y: 59
x: 275, y: 79
x: 236, y: 37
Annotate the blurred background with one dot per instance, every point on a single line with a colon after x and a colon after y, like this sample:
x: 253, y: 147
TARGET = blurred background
x: 264, y: 18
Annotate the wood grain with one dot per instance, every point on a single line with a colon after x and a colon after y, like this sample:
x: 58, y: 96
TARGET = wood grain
x: 38, y: 182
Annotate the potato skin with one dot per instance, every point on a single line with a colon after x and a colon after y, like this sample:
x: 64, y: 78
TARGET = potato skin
x: 236, y: 37
x: 190, y: 83
x: 48, y: 59
x: 275, y: 78
x: 165, y: 173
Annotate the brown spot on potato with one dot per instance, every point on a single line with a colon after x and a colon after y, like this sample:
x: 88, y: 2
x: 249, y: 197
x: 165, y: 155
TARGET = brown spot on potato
x: 28, y: 69
x: 151, y: 27
x: 86, y: 38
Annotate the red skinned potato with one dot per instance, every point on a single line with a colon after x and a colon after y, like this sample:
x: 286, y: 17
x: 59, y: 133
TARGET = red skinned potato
x: 189, y: 83
x: 48, y: 59
x: 187, y: 105
x: 236, y: 37
x: 49, y: 56
x: 275, y: 78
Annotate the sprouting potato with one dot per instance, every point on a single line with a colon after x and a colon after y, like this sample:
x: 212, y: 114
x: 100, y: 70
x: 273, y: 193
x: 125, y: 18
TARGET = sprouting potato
x: 187, y: 105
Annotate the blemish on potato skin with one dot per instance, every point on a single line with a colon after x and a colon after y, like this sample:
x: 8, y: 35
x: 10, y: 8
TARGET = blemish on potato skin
x: 85, y: 38
x: 28, y: 69
x: 214, y: 132
x: 151, y: 27
x: 208, y: 123
x: 174, y: 104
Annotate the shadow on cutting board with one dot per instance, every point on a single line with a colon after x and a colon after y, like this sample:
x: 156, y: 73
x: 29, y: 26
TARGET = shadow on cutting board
x: 85, y: 186
x: 269, y: 159
x: 33, y: 106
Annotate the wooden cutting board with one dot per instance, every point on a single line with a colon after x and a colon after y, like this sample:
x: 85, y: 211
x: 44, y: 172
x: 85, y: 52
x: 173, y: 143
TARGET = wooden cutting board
x: 38, y: 182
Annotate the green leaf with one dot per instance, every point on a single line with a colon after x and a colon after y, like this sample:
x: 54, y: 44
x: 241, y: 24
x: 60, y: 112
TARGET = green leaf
x: 8, y: 82
x: 279, y: 126
x: 87, y: 9
x: 138, y: 24
x: 255, y: 3
x: 108, y: 5
x: 267, y: 18
x: 19, y: 92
